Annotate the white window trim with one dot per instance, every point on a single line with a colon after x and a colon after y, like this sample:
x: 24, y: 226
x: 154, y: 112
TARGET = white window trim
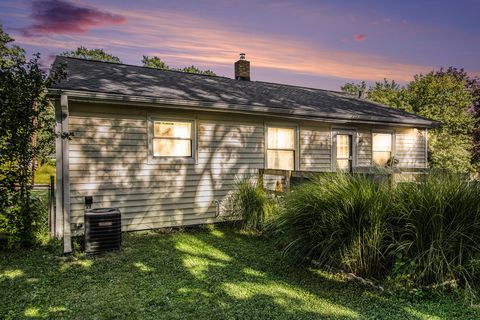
x: 151, y: 119
x: 394, y: 140
x: 349, y: 131
x: 296, y: 157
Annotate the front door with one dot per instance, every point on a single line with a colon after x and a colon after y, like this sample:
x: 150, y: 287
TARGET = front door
x: 344, y: 161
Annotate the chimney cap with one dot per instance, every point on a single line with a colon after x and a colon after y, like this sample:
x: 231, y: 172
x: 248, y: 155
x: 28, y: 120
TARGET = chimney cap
x: 242, y: 56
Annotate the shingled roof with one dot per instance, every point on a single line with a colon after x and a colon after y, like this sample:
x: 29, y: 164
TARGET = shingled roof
x: 225, y: 94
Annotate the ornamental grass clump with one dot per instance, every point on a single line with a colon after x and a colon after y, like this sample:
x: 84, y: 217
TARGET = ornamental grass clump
x: 338, y: 221
x: 253, y: 205
x: 437, y: 230
x: 424, y: 234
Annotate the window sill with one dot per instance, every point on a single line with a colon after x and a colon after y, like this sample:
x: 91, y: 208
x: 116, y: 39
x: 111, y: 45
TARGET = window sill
x: 171, y: 160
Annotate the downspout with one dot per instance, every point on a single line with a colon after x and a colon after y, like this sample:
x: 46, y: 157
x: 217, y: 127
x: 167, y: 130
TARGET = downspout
x: 63, y: 181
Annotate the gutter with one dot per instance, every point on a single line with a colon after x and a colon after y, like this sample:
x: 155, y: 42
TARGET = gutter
x: 113, y: 98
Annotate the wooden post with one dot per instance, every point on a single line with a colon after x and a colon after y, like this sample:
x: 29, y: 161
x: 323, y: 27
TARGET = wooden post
x: 288, y: 176
x: 67, y: 241
x: 261, y: 172
x: 58, y: 223
x: 63, y: 183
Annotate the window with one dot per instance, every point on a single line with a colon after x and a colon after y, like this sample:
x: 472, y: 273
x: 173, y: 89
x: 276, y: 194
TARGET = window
x: 172, y: 139
x: 281, y: 148
x: 344, y: 152
x: 381, y: 148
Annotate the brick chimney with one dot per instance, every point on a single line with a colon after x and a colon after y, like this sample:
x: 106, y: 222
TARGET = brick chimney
x: 242, y: 68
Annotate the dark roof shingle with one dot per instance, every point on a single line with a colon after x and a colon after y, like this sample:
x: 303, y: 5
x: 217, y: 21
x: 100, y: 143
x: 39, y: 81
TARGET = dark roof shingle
x: 96, y: 76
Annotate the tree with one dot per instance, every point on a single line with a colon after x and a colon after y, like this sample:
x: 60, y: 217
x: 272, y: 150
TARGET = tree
x: 154, y: 62
x: 390, y: 94
x: 444, y: 97
x: 10, y: 55
x: 193, y: 69
x: 23, y: 103
x: 449, y: 96
x: 353, y: 88
x: 473, y: 85
x: 91, y: 54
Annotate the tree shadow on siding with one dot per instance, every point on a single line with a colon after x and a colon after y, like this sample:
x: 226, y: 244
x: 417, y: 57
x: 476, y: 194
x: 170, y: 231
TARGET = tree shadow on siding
x: 111, y: 160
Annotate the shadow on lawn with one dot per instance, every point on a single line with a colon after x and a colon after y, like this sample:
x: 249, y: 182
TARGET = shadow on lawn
x: 194, y: 275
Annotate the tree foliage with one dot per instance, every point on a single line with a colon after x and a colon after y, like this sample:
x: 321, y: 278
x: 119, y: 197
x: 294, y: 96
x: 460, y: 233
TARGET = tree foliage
x: 445, y: 98
x: 156, y: 62
x: 473, y: 85
x: 91, y: 54
x: 449, y: 96
x: 354, y: 88
x: 193, y: 69
x: 23, y: 105
x: 391, y: 94
x: 10, y: 54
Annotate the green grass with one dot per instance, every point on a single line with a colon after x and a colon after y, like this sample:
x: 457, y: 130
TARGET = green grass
x: 43, y: 173
x: 201, y: 274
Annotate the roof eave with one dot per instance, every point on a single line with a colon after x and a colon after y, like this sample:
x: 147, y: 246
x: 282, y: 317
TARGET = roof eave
x: 88, y: 96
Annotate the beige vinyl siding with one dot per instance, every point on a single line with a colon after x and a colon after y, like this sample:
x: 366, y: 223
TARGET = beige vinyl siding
x: 364, y: 147
x: 315, y: 148
x: 410, y: 148
x: 109, y: 161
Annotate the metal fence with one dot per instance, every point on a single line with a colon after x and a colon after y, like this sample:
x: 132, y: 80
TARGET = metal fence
x: 46, y: 193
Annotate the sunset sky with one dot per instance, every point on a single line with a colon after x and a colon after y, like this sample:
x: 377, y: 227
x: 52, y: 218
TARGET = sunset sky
x: 318, y: 44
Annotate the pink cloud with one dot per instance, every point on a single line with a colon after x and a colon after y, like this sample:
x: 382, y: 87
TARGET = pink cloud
x: 359, y: 37
x: 61, y: 17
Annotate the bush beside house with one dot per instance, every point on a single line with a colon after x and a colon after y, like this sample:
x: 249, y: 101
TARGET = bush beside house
x: 423, y: 234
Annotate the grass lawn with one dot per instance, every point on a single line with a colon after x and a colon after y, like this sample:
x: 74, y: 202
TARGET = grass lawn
x: 43, y: 173
x: 200, y: 274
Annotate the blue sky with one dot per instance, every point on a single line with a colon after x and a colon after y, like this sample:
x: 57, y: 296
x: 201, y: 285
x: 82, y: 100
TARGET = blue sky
x: 312, y: 43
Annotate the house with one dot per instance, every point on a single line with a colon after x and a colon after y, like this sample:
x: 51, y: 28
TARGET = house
x: 166, y: 147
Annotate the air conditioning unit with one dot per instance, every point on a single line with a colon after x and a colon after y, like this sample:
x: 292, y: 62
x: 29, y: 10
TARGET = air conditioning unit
x: 103, y: 230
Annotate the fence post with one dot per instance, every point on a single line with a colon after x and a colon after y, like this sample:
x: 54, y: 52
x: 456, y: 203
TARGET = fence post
x: 288, y: 176
x: 261, y: 172
x: 51, y: 210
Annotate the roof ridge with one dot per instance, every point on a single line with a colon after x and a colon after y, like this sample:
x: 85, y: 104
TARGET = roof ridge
x: 300, y: 87
x: 216, y: 76
x: 142, y: 67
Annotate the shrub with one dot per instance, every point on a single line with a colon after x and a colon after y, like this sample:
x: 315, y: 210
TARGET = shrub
x: 424, y: 234
x: 252, y: 203
x: 437, y: 236
x: 339, y: 221
x: 24, y: 115
x: 20, y: 219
